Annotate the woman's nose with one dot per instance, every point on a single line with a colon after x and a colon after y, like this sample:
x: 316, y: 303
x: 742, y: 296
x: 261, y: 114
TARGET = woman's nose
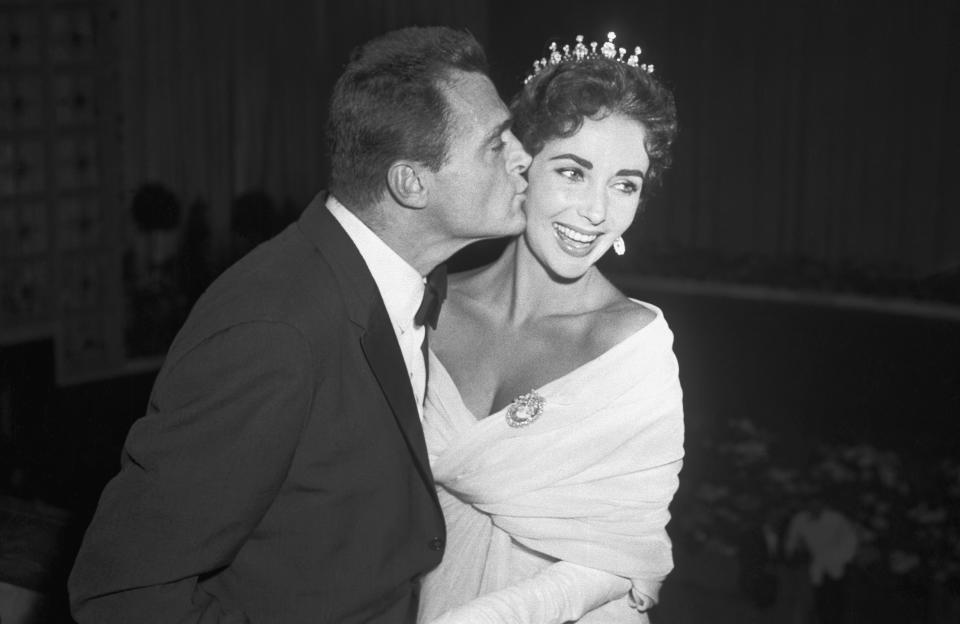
x: 593, y: 208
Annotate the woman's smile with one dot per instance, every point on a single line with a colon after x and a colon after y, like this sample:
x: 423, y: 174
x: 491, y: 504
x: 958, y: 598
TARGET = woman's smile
x: 573, y: 241
x: 584, y: 192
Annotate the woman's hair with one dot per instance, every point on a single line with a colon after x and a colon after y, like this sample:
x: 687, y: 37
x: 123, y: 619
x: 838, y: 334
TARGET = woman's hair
x: 554, y: 103
x: 390, y: 104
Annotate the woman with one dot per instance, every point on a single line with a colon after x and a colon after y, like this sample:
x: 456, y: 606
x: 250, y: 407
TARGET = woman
x: 556, y: 498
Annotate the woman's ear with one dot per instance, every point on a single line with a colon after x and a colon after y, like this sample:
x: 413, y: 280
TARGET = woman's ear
x: 407, y: 185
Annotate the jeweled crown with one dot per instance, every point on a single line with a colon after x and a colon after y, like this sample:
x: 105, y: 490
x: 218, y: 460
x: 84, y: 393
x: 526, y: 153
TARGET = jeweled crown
x: 580, y: 52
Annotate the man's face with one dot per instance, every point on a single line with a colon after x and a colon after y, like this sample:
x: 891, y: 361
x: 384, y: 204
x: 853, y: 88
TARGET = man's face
x: 478, y: 192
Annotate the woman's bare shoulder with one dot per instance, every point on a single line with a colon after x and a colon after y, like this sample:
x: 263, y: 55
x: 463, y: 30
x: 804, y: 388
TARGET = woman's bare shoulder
x: 622, y: 317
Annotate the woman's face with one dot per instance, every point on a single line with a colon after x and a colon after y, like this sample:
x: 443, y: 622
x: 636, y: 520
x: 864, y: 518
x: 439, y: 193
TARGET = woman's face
x: 584, y: 192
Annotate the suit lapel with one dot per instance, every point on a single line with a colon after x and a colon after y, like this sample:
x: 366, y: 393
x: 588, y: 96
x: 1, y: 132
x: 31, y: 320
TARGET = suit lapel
x: 377, y: 339
x: 380, y: 347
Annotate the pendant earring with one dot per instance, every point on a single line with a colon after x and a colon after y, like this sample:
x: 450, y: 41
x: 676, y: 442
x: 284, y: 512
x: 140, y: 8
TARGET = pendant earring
x: 619, y: 247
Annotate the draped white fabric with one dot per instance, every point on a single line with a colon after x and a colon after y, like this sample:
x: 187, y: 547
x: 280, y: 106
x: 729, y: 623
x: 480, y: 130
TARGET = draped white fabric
x: 589, y: 482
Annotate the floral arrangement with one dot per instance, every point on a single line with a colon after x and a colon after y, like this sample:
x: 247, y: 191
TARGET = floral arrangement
x: 905, y: 510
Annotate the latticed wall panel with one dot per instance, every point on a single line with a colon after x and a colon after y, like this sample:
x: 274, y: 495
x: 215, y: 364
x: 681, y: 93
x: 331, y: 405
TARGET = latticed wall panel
x: 59, y: 183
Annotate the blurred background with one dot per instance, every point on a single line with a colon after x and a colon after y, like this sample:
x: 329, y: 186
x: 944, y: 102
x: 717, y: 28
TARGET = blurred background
x: 805, y: 249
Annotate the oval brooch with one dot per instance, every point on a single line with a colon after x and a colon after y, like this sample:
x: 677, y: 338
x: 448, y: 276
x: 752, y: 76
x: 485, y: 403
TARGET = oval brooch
x: 525, y: 409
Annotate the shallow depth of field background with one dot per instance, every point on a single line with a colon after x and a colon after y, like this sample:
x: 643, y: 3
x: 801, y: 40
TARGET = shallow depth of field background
x: 805, y: 249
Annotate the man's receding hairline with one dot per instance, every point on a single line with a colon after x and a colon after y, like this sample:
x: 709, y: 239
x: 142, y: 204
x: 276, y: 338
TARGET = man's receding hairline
x: 454, y: 100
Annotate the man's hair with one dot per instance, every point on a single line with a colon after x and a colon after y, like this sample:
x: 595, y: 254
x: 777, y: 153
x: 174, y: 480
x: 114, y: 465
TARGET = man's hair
x: 389, y: 105
x: 554, y: 103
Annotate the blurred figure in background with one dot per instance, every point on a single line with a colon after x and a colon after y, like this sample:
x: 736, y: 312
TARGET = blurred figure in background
x: 830, y: 541
x: 253, y: 220
x: 156, y: 305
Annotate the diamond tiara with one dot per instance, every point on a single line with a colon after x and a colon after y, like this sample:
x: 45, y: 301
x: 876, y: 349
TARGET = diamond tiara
x: 580, y: 52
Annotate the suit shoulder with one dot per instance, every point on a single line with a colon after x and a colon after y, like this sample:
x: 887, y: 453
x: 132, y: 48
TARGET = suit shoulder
x: 283, y: 280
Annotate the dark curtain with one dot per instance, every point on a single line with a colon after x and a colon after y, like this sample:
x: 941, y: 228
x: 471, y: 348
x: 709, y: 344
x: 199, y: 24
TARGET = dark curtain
x: 821, y: 130
x: 220, y: 98
x: 224, y: 97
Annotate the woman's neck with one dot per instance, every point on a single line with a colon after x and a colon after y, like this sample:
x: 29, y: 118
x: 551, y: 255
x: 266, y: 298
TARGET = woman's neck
x: 527, y: 290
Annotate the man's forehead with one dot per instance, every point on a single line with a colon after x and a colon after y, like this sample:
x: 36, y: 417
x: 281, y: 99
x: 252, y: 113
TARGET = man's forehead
x: 474, y: 101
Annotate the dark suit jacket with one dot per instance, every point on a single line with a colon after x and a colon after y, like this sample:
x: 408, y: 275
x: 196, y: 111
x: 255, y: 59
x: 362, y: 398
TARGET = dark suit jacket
x: 280, y: 473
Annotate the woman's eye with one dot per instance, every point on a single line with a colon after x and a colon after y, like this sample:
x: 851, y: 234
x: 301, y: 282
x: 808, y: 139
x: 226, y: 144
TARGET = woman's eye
x: 573, y: 174
x: 629, y: 188
x: 499, y: 145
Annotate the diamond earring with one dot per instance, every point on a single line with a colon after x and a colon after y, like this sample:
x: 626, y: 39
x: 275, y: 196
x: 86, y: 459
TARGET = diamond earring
x: 619, y: 247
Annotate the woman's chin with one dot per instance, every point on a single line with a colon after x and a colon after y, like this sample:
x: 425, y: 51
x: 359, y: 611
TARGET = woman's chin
x: 568, y: 272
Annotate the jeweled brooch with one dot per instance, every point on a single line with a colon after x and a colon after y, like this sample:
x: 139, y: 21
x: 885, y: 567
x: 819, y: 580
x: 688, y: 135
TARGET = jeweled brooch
x: 525, y: 409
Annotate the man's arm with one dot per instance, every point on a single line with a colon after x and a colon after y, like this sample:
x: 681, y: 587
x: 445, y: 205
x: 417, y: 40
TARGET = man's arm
x: 199, y: 472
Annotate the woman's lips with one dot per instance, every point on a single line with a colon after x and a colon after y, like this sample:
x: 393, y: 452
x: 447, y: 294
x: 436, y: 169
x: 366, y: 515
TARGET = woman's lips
x: 573, y: 241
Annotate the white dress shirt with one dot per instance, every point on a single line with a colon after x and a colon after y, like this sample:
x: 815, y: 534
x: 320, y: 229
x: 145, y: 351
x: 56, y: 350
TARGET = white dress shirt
x: 401, y: 288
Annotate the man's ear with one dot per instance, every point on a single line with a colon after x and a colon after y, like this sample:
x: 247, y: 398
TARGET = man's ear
x: 407, y: 185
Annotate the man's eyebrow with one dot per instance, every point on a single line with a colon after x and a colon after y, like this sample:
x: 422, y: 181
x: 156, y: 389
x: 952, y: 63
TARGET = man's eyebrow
x: 583, y: 162
x: 496, y: 132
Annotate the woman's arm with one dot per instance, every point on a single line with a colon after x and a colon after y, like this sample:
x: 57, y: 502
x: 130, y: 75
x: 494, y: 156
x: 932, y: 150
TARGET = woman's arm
x: 562, y: 592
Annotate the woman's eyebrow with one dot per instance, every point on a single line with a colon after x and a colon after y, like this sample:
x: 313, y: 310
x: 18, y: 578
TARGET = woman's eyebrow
x: 583, y: 162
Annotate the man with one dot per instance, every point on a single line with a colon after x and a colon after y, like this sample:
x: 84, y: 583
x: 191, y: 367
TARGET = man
x: 280, y: 473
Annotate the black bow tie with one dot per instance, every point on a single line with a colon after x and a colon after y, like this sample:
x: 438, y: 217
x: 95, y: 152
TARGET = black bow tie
x: 434, y: 292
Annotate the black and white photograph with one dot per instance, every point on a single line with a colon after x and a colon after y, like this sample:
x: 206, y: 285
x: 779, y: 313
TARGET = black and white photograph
x: 479, y: 312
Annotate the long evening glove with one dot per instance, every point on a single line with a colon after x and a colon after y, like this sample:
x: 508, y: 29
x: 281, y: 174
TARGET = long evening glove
x: 563, y: 592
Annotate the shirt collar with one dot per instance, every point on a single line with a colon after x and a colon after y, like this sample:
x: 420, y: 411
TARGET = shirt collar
x: 400, y: 285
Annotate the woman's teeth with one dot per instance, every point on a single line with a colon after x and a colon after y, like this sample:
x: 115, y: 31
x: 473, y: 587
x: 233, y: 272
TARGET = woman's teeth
x: 573, y: 235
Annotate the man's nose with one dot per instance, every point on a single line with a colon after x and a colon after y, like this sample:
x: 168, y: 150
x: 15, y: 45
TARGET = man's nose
x: 518, y: 160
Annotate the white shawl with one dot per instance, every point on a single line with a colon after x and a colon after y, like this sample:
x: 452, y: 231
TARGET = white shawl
x: 589, y: 482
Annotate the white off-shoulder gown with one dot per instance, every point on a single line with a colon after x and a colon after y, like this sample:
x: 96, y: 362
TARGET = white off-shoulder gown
x: 547, y: 522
